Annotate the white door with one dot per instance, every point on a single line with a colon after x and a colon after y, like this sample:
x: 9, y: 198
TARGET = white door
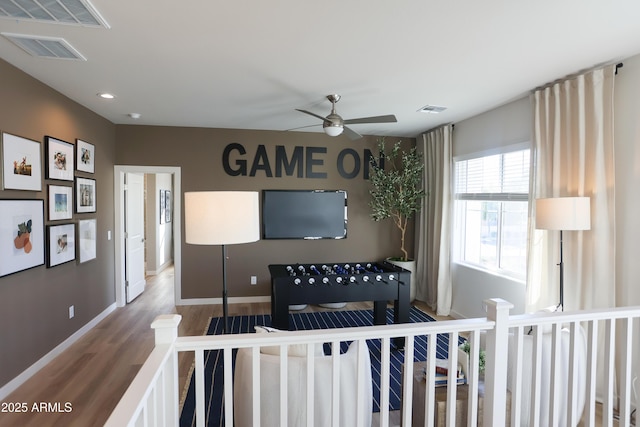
x: 134, y: 235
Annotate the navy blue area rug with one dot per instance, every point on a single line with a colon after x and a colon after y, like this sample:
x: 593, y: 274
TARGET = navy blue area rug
x: 214, y: 383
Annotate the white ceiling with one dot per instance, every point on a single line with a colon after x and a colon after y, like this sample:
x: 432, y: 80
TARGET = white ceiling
x: 248, y: 64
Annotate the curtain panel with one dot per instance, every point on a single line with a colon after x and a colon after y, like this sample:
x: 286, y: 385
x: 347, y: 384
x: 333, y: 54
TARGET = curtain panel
x: 433, y: 222
x: 574, y: 156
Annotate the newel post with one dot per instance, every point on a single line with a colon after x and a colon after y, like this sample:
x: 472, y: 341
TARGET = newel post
x: 495, y: 378
x: 166, y: 327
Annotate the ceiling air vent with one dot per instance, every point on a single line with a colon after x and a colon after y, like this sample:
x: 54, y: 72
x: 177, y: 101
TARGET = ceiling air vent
x: 72, y: 12
x: 45, y: 47
x: 432, y: 109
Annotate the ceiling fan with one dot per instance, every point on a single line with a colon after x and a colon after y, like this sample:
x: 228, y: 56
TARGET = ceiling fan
x: 333, y: 124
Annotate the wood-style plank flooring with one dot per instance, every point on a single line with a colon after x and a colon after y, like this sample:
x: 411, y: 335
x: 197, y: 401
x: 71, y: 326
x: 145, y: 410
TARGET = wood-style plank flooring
x: 92, y: 375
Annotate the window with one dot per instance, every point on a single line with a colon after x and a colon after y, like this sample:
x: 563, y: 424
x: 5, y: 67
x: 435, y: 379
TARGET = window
x: 491, y: 205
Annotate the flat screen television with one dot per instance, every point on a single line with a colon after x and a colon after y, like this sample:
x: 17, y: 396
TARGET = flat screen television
x: 304, y: 214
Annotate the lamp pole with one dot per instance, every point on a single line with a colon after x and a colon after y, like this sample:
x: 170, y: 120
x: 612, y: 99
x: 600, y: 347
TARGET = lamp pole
x: 224, y: 289
x: 561, y: 264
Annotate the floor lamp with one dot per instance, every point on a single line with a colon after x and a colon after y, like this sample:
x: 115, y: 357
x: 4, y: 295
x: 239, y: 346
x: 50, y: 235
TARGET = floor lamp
x: 563, y: 214
x: 222, y: 218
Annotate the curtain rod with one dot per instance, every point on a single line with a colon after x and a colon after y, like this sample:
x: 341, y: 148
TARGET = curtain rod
x: 618, y: 66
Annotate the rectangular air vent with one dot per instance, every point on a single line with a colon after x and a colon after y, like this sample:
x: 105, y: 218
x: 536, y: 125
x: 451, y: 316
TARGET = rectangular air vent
x: 45, y: 47
x: 432, y: 109
x: 72, y: 12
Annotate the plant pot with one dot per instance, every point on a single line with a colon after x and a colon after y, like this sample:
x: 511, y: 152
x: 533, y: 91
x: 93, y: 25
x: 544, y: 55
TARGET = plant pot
x: 411, y: 266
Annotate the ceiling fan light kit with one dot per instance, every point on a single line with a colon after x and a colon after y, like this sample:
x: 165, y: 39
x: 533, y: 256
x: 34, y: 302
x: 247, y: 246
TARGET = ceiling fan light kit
x: 334, y: 125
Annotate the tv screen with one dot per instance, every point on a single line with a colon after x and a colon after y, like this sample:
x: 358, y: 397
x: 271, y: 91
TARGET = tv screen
x: 304, y: 214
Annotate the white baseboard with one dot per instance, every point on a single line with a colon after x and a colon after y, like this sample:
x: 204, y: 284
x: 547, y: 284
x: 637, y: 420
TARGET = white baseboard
x: 231, y: 300
x: 12, y: 385
x: 456, y: 315
x: 161, y: 269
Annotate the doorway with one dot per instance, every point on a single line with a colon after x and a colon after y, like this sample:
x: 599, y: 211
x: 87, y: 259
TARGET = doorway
x: 120, y: 225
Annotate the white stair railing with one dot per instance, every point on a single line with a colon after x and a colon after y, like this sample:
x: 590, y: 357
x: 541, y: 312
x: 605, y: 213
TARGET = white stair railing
x: 152, y: 398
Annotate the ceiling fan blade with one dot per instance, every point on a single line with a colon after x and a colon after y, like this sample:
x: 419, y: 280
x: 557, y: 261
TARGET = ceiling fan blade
x: 375, y: 119
x: 304, y: 127
x: 351, y: 134
x: 324, y: 119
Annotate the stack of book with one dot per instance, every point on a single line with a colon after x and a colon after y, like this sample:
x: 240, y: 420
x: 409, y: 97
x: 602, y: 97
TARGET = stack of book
x: 442, y: 373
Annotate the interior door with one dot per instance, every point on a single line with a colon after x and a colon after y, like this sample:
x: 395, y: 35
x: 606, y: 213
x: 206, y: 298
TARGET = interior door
x: 134, y: 235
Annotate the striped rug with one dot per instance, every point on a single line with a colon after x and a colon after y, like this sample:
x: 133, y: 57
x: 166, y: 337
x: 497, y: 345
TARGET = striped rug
x: 214, y: 409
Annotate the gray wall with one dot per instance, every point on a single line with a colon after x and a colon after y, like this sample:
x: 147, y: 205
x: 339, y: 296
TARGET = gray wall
x: 34, y: 304
x: 200, y: 154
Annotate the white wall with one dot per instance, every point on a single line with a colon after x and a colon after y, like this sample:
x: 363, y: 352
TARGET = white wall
x: 506, y: 125
x: 159, y: 238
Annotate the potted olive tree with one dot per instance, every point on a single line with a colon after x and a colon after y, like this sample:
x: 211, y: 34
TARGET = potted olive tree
x: 396, y: 193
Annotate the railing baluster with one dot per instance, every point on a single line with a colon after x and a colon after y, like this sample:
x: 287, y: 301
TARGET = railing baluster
x: 609, y: 374
x: 626, y: 347
x: 228, y: 388
x: 554, y: 377
x: 572, y: 396
x: 335, y: 384
x: 199, y: 373
x: 255, y: 386
x: 430, y: 391
x: 284, y: 385
x: 363, y: 351
x: 592, y: 367
x: 534, y: 408
x: 407, y: 381
x: 516, y: 380
x: 385, y: 353
x: 472, y: 380
x: 310, y: 384
x: 452, y: 379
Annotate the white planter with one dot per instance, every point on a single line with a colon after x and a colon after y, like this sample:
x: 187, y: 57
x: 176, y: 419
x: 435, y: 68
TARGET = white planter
x: 411, y: 266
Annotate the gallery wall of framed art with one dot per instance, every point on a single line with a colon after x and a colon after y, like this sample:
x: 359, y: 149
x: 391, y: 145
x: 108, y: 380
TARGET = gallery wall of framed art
x: 24, y: 243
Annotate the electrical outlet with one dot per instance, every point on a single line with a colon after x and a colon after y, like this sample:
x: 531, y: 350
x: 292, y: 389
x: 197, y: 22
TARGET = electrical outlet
x: 71, y: 312
x: 254, y: 280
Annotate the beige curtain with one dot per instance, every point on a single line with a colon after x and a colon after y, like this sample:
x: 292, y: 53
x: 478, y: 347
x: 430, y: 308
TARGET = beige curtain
x: 573, y: 139
x: 433, y: 222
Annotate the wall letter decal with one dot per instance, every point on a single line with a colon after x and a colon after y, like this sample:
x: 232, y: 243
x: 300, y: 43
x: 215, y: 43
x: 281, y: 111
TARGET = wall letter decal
x: 356, y: 163
x: 289, y: 166
x: 242, y: 164
x: 261, y: 161
x: 311, y: 162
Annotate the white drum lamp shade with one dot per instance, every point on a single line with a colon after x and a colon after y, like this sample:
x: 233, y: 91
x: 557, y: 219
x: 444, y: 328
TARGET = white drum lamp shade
x: 563, y: 213
x: 221, y: 217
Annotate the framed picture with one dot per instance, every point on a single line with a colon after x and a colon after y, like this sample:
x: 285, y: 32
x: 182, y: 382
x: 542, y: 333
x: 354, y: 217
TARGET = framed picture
x: 85, y: 155
x: 61, y: 244
x: 21, y: 235
x: 60, y: 202
x: 21, y: 165
x: 162, y: 206
x: 59, y: 159
x: 85, y: 195
x: 167, y: 206
x: 86, y: 240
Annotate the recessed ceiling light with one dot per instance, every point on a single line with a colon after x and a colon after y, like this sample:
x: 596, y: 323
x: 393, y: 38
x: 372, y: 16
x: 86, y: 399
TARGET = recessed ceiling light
x: 432, y: 109
x: 135, y: 115
x: 106, y: 95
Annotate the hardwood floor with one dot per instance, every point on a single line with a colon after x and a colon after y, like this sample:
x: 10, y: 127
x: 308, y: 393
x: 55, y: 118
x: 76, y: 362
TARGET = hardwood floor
x: 83, y: 384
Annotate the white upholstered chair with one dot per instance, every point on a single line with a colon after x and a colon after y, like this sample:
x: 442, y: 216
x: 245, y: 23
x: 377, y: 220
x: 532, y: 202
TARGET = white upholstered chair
x: 296, y: 392
x: 562, y: 374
